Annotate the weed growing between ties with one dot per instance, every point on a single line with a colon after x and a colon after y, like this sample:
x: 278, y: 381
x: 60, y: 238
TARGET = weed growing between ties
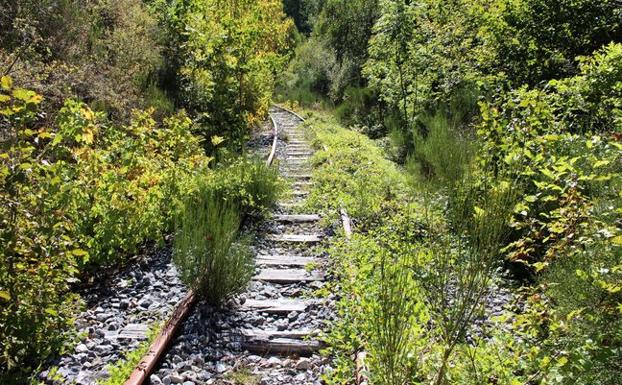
x: 121, y: 370
x: 213, y: 260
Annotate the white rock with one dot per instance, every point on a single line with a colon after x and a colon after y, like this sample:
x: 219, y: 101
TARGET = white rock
x: 274, y: 361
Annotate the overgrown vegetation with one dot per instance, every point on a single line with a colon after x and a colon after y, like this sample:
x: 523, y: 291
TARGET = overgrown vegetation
x: 212, y: 259
x: 109, y: 112
x: 506, y: 116
x: 412, y: 285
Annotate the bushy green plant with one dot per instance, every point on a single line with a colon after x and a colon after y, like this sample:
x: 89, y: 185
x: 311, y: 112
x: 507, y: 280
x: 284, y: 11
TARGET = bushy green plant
x: 397, y: 318
x: 76, y: 196
x: 38, y: 253
x: 224, y: 64
x: 210, y: 259
x: 249, y: 182
x: 101, y: 51
x: 139, y: 169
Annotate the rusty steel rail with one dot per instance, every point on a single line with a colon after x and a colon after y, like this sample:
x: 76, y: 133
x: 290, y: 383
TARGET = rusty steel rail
x: 159, y: 346
x: 274, y: 142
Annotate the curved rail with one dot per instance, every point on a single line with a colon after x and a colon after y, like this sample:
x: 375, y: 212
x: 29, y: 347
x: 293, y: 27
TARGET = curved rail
x: 159, y: 346
x: 274, y: 142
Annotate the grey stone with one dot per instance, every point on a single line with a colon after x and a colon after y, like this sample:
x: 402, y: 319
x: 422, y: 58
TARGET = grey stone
x: 303, y: 364
x: 176, y: 378
x: 124, y: 304
x: 274, y: 361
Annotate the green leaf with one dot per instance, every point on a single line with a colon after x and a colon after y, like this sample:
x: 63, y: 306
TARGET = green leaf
x: 601, y: 163
x: 6, y: 82
x: 561, y: 361
x: 5, y: 295
x: 51, y: 312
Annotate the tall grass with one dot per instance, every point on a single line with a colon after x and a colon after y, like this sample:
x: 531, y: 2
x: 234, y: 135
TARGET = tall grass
x: 443, y: 154
x: 458, y: 276
x: 443, y: 145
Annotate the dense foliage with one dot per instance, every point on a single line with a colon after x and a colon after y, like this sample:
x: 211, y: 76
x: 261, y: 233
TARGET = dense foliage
x: 504, y: 109
x: 100, y: 106
x: 224, y: 60
x: 83, y: 194
x: 397, y: 269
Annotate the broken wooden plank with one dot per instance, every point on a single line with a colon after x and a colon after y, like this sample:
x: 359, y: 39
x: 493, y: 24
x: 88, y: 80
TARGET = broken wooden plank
x: 302, y: 184
x: 295, y: 238
x: 276, y: 306
x: 299, y: 193
x: 297, y: 218
x: 284, y: 260
x: 133, y: 331
x: 283, y: 346
x: 290, y: 204
x: 288, y: 276
x: 262, y: 334
x: 298, y: 176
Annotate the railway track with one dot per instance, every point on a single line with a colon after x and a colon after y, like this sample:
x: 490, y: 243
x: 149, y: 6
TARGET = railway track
x: 271, y: 334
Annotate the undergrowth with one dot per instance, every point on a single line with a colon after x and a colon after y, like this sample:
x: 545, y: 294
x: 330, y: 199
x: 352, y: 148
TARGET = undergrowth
x: 411, y: 288
x: 212, y: 259
x: 120, y: 371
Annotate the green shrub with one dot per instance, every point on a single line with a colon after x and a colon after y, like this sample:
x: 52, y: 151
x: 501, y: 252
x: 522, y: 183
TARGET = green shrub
x: 38, y: 252
x: 249, y: 182
x: 225, y: 65
x: 103, y: 52
x: 210, y: 260
x: 75, y: 197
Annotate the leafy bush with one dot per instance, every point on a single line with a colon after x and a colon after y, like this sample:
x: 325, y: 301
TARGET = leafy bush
x: 541, y: 39
x: 103, y: 52
x: 211, y: 259
x: 206, y: 252
x: 38, y: 255
x: 139, y: 169
x: 75, y: 197
x: 309, y: 73
x: 249, y: 182
x: 224, y: 59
